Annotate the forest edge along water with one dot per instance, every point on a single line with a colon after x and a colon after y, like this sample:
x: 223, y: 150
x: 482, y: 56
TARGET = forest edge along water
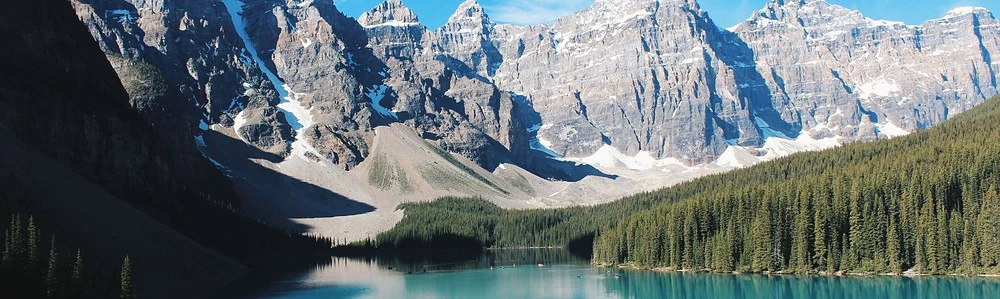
x: 556, y: 273
x: 926, y: 203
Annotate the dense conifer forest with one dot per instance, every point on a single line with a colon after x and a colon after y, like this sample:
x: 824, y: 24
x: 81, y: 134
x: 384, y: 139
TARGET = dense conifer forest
x: 925, y: 203
x: 35, y: 265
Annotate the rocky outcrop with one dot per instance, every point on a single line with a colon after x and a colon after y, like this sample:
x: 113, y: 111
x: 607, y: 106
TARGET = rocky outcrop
x: 389, y: 13
x: 318, y: 54
x: 654, y: 77
x: 660, y: 77
x: 441, y: 97
x: 847, y: 75
x: 637, y: 75
x: 202, y: 59
x: 467, y: 38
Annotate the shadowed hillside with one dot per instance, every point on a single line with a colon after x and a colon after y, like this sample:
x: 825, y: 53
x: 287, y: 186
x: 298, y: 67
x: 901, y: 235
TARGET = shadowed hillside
x: 94, y: 172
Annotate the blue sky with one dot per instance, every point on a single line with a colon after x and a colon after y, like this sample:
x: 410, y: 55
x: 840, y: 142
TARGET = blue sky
x: 434, y: 13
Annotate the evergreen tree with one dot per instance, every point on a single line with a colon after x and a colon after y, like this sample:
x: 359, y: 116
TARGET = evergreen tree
x: 33, y: 267
x: 943, y: 239
x: 761, y: 236
x: 802, y: 237
x: 7, y: 258
x: 17, y: 241
x: 894, y: 247
x: 821, y: 224
x: 127, y: 290
x: 52, y: 287
x: 856, y: 240
x: 78, y: 283
x: 989, y: 228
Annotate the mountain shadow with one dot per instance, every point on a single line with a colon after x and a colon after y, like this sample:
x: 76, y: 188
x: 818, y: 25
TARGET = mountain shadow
x: 271, y: 195
x: 754, y: 92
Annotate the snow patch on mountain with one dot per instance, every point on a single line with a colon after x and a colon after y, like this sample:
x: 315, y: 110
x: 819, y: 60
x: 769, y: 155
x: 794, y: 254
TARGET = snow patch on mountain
x: 963, y: 10
x: 884, y: 23
x: 765, y: 129
x: 891, y: 130
x: 298, y: 117
x: 238, y: 122
x: 880, y: 87
x: 779, y: 147
x: 376, y: 94
x: 736, y: 157
x: 393, y: 23
x: 610, y: 157
x: 538, y: 143
x: 121, y: 15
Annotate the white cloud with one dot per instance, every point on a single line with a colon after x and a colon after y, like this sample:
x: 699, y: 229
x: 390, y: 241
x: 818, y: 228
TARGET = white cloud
x: 530, y: 12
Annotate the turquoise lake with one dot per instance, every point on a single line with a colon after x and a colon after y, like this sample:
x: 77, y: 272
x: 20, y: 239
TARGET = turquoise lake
x: 517, y: 274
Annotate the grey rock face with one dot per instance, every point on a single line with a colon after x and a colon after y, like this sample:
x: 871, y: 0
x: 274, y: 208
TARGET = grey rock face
x: 197, y: 49
x: 655, y: 76
x: 443, y: 98
x: 842, y: 72
x: 467, y: 37
x: 319, y: 54
x: 638, y: 75
x: 353, y: 76
x: 659, y: 76
x: 389, y: 13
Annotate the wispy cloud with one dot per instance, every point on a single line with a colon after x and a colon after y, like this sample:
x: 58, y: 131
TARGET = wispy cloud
x: 530, y: 12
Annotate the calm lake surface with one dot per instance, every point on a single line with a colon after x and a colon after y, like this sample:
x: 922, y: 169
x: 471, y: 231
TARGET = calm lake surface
x: 516, y: 274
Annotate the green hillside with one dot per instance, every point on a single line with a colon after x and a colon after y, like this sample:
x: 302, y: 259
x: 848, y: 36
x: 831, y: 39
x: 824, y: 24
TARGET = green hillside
x: 926, y: 202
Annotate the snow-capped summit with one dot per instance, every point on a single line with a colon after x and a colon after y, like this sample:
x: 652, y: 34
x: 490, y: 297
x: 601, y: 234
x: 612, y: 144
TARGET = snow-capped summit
x: 389, y: 13
x: 469, y: 11
x: 604, y: 15
x: 806, y: 14
x: 966, y: 10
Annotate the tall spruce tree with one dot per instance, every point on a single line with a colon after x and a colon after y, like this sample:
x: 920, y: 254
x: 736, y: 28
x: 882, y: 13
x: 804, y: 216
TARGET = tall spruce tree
x: 989, y: 228
x: 78, y: 285
x: 127, y: 289
x: 33, y: 267
x: 52, y: 286
x: 5, y: 261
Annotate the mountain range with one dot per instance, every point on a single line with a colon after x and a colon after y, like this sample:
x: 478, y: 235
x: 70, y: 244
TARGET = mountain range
x: 332, y: 121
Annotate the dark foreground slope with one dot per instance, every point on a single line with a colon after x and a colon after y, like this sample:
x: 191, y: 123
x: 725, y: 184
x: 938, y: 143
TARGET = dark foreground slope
x: 77, y: 157
x: 927, y: 202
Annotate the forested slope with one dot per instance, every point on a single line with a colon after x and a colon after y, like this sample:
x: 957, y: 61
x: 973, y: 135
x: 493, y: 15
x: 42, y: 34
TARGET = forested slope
x: 927, y: 202
x: 90, y: 170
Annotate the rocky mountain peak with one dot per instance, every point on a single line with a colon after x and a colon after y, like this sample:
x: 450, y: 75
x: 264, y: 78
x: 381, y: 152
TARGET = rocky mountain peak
x: 623, y: 5
x: 964, y: 11
x: 643, y: 3
x: 467, y: 37
x: 604, y: 14
x: 389, y: 13
x: 810, y: 15
x: 623, y: 80
x: 469, y: 13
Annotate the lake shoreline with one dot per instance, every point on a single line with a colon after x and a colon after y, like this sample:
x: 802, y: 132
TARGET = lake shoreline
x: 908, y: 273
x: 499, y: 273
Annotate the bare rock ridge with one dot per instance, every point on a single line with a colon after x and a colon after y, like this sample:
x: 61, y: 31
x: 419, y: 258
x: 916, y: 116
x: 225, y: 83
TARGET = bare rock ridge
x: 861, y: 78
x: 389, y: 13
x: 211, y: 71
x: 631, y: 80
x: 675, y: 85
